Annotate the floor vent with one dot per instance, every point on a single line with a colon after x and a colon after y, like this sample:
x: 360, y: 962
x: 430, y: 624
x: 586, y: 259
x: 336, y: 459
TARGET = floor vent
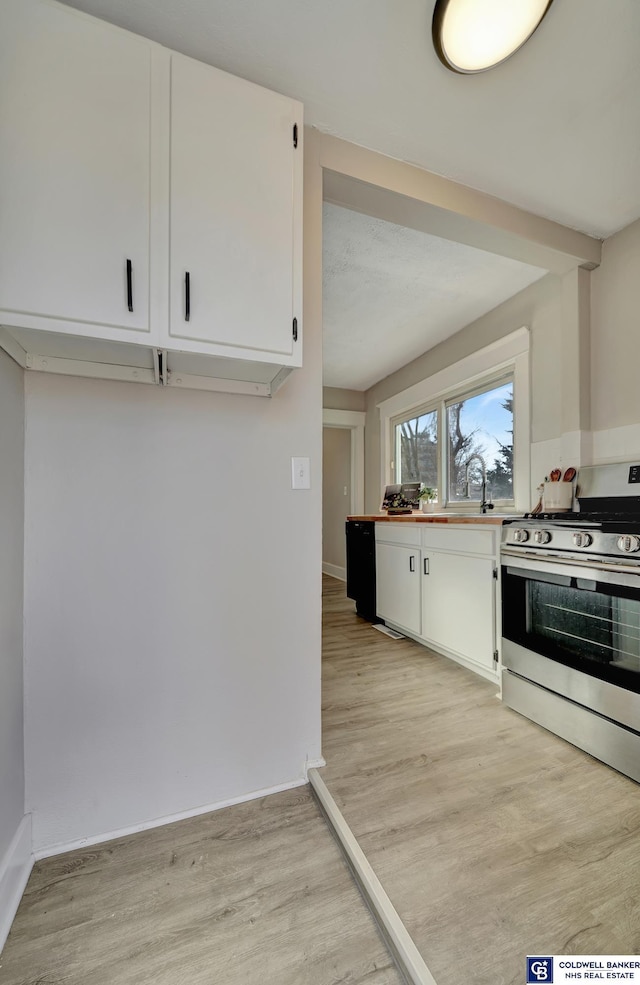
x: 389, y: 632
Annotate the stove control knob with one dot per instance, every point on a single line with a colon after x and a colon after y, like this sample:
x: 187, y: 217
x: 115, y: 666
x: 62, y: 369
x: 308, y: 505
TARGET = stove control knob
x: 582, y: 539
x: 541, y: 537
x: 629, y: 544
x: 521, y: 536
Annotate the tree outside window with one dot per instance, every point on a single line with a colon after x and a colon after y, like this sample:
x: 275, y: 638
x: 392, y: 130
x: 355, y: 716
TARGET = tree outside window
x: 479, y: 430
x: 419, y: 449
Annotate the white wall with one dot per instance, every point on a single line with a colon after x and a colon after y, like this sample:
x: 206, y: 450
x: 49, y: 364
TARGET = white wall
x: 615, y: 303
x: 11, y: 580
x: 539, y: 308
x: 11, y: 539
x: 172, y: 599
x: 607, y: 386
x: 335, y: 398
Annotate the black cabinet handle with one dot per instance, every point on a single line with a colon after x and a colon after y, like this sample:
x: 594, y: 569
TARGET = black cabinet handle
x: 412, y: 563
x: 425, y: 566
x: 187, y: 296
x: 129, y: 285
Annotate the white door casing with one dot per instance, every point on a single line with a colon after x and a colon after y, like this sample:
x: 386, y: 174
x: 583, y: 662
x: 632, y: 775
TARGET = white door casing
x: 353, y: 420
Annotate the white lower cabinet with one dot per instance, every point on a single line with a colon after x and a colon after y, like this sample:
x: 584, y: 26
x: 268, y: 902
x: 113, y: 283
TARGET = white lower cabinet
x: 437, y: 583
x: 458, y: 605
x: 398, y: 586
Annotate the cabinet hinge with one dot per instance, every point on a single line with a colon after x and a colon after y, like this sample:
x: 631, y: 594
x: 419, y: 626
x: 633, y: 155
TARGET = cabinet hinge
x: 295, y: 329
x: 295, y: 134
x: 495, y: 657
x: 495, y: 573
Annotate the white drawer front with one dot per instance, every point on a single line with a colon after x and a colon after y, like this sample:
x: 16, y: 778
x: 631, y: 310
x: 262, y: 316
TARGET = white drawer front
x: 398, y: 533
x: 464, y: 539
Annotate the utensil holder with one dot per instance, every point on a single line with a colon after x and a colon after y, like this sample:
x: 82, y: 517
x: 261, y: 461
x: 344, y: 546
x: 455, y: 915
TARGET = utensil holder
x: 557, y: 496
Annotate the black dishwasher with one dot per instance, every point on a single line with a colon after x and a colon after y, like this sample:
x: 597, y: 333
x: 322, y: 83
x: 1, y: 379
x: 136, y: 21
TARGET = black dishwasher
x: 361, y: 567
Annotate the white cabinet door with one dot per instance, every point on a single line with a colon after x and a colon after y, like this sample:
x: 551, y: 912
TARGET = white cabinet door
x: 235, y: 216
x: 74, y: 172
x: 398, y: 586
x: 458, y: 605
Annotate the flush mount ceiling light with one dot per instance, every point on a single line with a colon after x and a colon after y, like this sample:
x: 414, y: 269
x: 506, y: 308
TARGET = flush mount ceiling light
x: 473, y: 35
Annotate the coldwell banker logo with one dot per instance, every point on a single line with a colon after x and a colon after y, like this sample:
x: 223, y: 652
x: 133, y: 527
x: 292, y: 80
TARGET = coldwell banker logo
x: 540, y: 970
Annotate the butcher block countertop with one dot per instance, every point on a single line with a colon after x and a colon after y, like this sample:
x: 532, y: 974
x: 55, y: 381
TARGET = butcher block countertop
x: 419, y: 517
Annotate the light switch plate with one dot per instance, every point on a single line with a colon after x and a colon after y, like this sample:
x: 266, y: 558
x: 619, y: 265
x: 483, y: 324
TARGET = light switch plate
x: 300, y: 473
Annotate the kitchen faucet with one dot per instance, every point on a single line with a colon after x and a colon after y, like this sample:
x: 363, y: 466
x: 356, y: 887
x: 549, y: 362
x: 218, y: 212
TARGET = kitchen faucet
x: 484, y: 503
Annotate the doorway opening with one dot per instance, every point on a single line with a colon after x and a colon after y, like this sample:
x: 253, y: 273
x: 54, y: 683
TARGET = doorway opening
x: 342, y: 483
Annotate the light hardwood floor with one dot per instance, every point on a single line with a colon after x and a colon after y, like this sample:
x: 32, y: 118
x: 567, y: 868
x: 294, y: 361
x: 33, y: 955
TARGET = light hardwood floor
x: 256, y: 893
x: 493, y: 838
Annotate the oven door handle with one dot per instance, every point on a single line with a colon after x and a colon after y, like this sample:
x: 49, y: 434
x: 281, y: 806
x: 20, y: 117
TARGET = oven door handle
x: 586, y: 585
x: 584, y: 572
x: 563, y: 580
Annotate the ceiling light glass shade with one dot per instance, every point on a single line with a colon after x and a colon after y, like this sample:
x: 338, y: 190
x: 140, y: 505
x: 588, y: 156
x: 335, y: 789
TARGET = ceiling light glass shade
x: 474, y: 35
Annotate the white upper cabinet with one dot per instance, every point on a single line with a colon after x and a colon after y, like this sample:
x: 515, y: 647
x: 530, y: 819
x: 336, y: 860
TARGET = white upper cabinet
x: 75, y: 141
x: 145, y: 198
x: 235, y: 216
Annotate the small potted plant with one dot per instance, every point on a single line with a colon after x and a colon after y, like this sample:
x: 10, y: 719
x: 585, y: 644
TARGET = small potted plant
x: 428, y: 496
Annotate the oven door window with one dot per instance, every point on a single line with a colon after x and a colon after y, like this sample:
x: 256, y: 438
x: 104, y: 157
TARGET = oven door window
x: 589, y: 625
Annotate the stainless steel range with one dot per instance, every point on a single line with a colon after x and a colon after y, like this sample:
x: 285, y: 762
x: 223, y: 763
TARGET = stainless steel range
x: 571, y: 617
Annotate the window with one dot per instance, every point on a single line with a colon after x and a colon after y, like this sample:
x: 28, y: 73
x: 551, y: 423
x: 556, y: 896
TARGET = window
x: 461, y: 445
x: 417, y: 444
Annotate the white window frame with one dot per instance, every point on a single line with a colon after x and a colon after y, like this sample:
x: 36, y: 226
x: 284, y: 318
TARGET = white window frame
x: 395, y: 443
x: 440, y: 408
x: 509, y: 355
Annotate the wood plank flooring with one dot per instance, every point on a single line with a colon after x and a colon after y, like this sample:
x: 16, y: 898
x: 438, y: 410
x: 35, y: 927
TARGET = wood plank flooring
x: 256, y: 893
x: 493, y: 838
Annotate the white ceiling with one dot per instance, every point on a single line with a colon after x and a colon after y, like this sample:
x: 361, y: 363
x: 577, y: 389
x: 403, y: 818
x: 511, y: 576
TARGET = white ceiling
x: 555, y: 130
x: 390, y: 293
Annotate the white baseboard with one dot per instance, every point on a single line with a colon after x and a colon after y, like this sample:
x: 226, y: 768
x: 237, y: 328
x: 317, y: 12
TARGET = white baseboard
x: 50, y: 850
x: 15, y: 870
x: 314, y: 764
x: 334, y: 571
